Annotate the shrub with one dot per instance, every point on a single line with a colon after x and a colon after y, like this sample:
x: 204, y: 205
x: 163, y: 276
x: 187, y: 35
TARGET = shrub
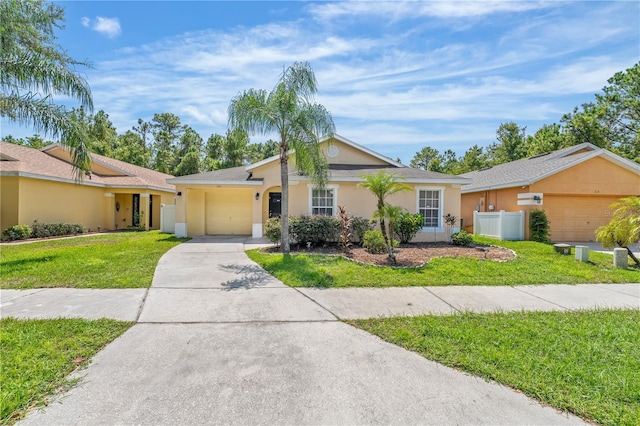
x: 345, y: 229
x: 373, y: 241
x: 17, y: 232
x: 407, y: 226
x: 462, y: 238
x: 315, y: 229
x: 43, y: 230
x: 359, y: 225
x: 539, y: 226
x: 273, y: 230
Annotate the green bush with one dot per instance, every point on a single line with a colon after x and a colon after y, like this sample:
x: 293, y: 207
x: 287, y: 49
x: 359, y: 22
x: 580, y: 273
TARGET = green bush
x: 539, y: 226
x: 315, y: 229
x: 17, y: 232
x: 407, y: 226
x: 373, y: 241
x: 359, y: 225
x: 273, y: 230
x: 461, y: 238
x: 43, y: 230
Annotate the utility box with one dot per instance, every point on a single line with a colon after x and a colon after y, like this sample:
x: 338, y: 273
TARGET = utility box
x: 582, y: 253
x: 620, y: 258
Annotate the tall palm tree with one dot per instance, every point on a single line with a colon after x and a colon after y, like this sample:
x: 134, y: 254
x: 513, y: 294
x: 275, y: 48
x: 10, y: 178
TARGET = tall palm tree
x: 34, y: 69
x: 391, y: 214
x: 382, y: 185
x: 289, y: 111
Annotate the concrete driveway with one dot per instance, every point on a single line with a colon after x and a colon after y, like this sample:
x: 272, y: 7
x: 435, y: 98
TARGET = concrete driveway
x: 219, y: 341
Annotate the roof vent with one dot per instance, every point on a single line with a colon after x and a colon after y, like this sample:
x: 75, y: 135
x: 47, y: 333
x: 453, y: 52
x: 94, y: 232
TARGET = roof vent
x: 485, y: 168
x: 540, y: 155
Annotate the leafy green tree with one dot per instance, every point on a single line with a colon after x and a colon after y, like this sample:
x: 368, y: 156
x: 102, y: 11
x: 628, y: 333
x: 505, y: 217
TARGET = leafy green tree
x: 450, y: 163
x: 167, y: 131
x: 289, y: 111
x: 234, y: 147
x: 473, y: 159
x: 585, y: 126
x: 189, y: 153
x: 35, y: 70
x: 510, y: 144
x: 382, y: 185
x: 255, y: 152
x: 34, y: 141
x: 214, y: 149
x: 130, y: 148
x: 549, y: 137
x: 427, y: 159
x: 624, y: 228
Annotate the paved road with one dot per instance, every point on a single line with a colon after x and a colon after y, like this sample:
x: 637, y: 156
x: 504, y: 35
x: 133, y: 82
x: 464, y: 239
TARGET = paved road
x: 219, y: 341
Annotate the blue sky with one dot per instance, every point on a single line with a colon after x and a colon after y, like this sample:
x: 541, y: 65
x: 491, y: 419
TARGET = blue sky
x: 396, y: 76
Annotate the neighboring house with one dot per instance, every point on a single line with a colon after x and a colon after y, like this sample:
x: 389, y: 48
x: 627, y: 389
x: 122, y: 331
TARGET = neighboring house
x: 241, y: 199
x: 40, y: 185
x: 574, y: 186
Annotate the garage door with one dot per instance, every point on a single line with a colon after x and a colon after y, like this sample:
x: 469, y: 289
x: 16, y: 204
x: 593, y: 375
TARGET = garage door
x: 228, y: 212
x: 576, y: 218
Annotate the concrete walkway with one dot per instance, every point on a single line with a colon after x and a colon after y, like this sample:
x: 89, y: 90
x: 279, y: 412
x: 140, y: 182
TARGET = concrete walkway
x: 219, y: 341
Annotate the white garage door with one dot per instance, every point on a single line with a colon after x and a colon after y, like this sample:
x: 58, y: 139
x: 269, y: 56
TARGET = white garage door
x: 228, y: 212
x: 576, y: 218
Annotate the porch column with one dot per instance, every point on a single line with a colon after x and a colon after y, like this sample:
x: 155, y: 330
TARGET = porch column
x: 144, y: 211
x: 181, y: 212
x: 110, y: 211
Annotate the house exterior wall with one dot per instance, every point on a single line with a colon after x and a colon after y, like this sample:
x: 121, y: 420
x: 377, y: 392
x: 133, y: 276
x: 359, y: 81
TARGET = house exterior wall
x: 576, y: 200
x: 9, y: 201
x: 25, y: 200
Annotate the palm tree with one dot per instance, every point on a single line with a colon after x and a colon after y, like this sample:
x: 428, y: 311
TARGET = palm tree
x: 382, y: 185
x: 34, y: 69
x: 288, y: 110
x: 391, y: 214
x: 624, y: 227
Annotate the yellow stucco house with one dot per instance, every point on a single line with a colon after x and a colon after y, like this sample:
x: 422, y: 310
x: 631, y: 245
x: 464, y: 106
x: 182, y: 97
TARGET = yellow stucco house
x: 241, y: 199
x: 574, y: 186
x: 39, y: 184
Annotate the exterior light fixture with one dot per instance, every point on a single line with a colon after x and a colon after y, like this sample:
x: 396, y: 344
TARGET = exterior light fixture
x: 257, y: 196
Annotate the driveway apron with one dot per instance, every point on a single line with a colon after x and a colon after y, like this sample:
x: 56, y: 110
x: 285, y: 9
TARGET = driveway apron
x: 220, y: 341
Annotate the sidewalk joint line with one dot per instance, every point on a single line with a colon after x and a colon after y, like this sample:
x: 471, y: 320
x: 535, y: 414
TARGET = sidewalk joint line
x: 144, y: 299
x: 544, y: 300
x: 240, y: 322
x: 314, y: 301
x: 444, y: 301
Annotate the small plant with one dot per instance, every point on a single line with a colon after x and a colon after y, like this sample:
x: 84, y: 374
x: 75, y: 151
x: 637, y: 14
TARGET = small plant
x: 407, y: 226
x: 539, y: 226
x: 624, y: 228
x: 373, y: 241
x: 449, y: 221
x: 345, y: 230
x: 17, y: 232
x: 462, y: 238
x: 314, y: 229
x: 360, y: 225
x: 273, y: 230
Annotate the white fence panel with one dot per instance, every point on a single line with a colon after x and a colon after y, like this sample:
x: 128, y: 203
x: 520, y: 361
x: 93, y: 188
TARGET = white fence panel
x: 168, y: 218
x: 501, y: 225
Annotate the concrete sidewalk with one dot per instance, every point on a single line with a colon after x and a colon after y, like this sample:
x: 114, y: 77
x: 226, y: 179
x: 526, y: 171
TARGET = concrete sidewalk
x: 219, y: 341
x: 223, y: 299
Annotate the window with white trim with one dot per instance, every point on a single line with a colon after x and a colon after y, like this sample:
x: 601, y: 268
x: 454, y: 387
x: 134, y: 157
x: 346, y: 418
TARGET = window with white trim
x: 430, y: 207
x: 323, y: 201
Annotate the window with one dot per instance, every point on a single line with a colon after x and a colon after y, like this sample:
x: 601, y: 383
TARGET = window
x: 323, y: 201
x: 430, y: 206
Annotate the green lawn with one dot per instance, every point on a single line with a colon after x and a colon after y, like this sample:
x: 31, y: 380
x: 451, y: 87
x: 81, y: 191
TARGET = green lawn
x: 536, y: 264
x: 37, y: 355
x: 585, y: 362
x: 117, y: 260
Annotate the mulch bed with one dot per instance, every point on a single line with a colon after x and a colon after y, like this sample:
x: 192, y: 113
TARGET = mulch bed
x: 411, y: 255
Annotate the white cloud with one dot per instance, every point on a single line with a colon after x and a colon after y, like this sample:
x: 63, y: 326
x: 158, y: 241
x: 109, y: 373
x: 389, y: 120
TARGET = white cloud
x: 395, y: 10
x: 109, y: 27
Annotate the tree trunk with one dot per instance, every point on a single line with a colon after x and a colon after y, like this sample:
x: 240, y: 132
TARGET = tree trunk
x: 383, y: 228
x: 284, y: 212
x: 633, y: 256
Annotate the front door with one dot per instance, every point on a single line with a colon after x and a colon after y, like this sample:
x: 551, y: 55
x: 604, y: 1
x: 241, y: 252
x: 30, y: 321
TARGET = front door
x: 275, y: 204
x: 135, y: 219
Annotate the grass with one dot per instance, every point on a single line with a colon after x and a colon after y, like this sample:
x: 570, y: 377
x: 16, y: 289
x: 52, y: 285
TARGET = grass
x: 536, y: 263
x: 116, y: 260
x: 37, y: 355
x: 585, y: 362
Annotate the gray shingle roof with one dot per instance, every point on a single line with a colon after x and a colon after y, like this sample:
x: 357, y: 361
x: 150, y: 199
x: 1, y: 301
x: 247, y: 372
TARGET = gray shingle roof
x: 233, y: 174
x: 527, y: 170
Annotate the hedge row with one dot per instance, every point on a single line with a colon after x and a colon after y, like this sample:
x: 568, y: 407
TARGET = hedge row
x: 316, y: 229
x: 43, y: 230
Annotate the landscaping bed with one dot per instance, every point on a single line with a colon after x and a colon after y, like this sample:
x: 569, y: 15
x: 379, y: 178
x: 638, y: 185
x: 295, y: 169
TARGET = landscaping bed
x: 410, y: 255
